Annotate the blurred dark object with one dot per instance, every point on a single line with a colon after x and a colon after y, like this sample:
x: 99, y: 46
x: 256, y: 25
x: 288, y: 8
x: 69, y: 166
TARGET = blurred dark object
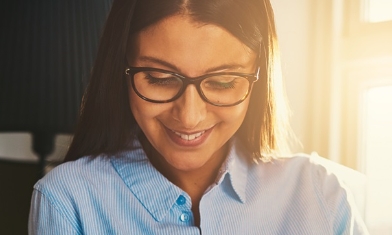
x: 47, y: 48
x: 16, y: 180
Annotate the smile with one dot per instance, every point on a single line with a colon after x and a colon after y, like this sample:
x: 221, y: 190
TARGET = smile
x: 189, y: 137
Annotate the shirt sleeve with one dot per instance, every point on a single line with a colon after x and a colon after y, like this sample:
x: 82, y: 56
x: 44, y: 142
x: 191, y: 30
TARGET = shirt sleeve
x: 46, y: 218
x: 345, y: 217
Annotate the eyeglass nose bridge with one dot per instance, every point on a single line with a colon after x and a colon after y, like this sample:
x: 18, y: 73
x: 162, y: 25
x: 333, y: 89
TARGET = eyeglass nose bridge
x: 186, y: 81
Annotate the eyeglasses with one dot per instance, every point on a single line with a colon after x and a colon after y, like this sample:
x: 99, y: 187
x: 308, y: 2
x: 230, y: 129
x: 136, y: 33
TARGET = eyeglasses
x: 219, y: 89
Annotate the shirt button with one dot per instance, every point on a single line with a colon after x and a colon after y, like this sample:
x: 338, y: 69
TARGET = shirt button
x: 184, y: 217
x: 181, y: 200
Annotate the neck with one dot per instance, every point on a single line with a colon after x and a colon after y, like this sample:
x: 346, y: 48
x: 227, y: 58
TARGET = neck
x: 194, y: 182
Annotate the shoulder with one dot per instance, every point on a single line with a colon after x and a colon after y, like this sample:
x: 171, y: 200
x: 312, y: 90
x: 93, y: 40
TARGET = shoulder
x: 314, y: 167
x: 327, y: 178
x: 319, y: 186
x: 323, y: 173
x: 319, y: 174
x: 307, y: 178
x: 292, y: 168
x: 67, y: 190
x: 75, y: 176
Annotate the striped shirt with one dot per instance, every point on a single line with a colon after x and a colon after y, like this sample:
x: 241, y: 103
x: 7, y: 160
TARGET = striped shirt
x: 125, y: 194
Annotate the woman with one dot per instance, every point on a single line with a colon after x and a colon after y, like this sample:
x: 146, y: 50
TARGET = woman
x: 180, y: 109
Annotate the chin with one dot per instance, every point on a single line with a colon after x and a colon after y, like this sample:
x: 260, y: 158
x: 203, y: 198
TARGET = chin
x: 187, y: 164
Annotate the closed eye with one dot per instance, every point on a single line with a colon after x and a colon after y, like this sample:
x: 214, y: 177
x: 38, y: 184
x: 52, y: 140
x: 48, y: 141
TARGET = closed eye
x: 162, y: 80
x: 220, y: 85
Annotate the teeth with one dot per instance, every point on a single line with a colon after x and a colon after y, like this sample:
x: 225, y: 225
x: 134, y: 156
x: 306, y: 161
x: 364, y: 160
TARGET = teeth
x: 189, y: 137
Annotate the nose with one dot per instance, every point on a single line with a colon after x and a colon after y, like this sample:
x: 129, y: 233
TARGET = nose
x: 190, y: 108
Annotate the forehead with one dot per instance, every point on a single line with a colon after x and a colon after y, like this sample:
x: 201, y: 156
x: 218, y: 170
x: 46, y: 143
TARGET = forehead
x: 190, y: 45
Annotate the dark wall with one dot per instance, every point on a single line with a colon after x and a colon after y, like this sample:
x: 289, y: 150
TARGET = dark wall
x: 47, y: 48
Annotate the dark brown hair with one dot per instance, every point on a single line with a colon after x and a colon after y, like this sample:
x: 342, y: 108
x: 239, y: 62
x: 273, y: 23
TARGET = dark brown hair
x: 106, y: 124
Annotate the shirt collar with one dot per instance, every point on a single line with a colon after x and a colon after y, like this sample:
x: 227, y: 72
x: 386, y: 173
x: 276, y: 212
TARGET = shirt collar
x: 144, y: 180
x: 236, y: 168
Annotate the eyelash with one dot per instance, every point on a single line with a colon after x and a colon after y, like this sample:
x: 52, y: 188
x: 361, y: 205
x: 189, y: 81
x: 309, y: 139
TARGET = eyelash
x: 160, y: 81
x: 223, y: 85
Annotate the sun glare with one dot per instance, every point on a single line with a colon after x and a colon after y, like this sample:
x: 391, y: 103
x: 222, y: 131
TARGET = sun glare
x: 377, y: 10
x: 378, y: 159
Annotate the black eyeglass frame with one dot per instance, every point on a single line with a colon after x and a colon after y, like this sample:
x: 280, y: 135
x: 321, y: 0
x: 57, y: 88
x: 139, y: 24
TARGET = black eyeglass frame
x: 252, y: 78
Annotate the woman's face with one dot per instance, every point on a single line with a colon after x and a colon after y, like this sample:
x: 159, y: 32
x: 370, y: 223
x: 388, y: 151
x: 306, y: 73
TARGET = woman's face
x: 189, y: 133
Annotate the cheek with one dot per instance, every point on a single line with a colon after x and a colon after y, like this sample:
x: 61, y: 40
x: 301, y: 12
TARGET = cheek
x: 234, y: 115
x: 142, y: 110
x: 134, y: 103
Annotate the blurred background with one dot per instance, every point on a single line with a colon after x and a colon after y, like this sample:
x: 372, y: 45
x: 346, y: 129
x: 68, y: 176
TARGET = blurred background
x: 47, y: 48
x: 336, y: 63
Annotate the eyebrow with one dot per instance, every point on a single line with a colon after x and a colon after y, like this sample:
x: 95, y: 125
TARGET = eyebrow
x: 231, y: 66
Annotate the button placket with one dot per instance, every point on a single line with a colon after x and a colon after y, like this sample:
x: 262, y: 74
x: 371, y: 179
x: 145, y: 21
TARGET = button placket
x: 184, y: 209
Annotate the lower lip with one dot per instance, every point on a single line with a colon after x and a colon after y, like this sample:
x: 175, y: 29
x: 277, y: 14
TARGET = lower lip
x: 188, y: 143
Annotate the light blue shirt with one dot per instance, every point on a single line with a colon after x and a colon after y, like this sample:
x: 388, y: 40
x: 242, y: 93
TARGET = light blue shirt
x: 125, y: 194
